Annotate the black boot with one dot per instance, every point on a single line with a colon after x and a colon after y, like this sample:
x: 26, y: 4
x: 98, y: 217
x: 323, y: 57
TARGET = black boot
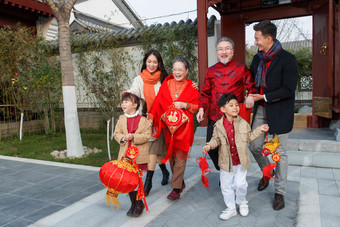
x: 138, y: 208
x: 166, y: 174
x: 148, y: 182
x: 133, y: 203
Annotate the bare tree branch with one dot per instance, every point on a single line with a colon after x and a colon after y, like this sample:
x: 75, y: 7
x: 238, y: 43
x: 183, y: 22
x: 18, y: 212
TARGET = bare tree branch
x: 69, y: 6
x: 53, y: 7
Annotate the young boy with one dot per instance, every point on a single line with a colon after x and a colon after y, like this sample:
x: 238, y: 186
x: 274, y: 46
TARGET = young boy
x: 232, y: 134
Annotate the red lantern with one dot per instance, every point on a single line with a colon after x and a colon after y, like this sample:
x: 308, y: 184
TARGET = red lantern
x: 122, y: 176
x: 118, y: 176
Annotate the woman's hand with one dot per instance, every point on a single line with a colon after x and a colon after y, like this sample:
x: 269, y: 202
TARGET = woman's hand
x: 181, y: 105
x: 194, y: 85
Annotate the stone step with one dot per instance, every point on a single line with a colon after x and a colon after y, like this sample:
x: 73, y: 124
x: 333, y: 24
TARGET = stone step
x: 312, y: 145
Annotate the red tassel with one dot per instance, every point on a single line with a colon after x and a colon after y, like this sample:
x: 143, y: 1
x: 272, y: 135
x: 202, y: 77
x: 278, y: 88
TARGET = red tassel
x: 159, y: 129
x: 170, y: 150
x: 205, y: 181
x: 267, y: 171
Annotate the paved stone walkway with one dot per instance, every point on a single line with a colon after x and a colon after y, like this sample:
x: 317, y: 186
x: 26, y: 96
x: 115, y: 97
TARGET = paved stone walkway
x: 39, y: 193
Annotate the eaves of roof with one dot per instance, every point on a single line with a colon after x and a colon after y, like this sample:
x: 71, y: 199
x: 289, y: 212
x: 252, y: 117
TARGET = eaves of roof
x: 130, y: 36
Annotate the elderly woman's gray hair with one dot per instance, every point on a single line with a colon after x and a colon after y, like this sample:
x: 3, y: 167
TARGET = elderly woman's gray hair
x: 183, y: 60
x: 225, y: 39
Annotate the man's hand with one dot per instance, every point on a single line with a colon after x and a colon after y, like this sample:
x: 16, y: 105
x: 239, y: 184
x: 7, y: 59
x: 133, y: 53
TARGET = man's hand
x: 257, y: 97
x: 249, y: 101
x: 200, y: 115
x: 264, y: 128
x: 206, y: 148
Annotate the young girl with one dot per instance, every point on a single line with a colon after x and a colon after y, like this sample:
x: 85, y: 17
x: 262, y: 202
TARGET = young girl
x: 133, y: 129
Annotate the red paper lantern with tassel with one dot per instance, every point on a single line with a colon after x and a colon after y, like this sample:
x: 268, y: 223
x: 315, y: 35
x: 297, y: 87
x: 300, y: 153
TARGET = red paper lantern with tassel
x: 122, y: 176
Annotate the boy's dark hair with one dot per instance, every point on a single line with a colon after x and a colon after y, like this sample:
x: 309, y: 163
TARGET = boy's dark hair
x: 266, y: 28
x: 135, y: 99
x: 225, y: 98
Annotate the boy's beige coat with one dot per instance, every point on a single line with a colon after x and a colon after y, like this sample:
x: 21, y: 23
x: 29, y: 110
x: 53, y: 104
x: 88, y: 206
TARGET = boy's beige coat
x: 243, y: 135
x: 141, y: 138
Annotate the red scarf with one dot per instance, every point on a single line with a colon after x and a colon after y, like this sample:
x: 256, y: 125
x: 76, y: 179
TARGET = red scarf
x: 184, y: 136
x: 148, y: 86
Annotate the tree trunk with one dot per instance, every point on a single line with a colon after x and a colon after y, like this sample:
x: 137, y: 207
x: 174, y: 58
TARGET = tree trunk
x: 73, y: 138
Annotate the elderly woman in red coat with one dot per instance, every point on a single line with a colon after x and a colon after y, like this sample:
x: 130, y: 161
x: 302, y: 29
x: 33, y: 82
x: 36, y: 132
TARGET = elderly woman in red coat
x: 176, y: 92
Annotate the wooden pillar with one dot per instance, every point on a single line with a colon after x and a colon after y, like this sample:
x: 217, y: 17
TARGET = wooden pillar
x: 235, y: 29
x: 202, y: 38
x: 336, y: 93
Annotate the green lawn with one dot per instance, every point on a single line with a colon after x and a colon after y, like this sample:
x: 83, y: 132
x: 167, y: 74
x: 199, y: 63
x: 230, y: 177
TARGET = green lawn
x: 40, y: 147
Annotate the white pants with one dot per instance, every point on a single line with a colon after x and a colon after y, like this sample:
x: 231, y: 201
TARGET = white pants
x: 234, y: 186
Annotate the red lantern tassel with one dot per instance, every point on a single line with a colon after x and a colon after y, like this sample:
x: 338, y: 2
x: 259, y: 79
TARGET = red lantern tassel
x: 140, y: 191
x: 170, y: 150
x: 267, y: 171
x: 205, y: 181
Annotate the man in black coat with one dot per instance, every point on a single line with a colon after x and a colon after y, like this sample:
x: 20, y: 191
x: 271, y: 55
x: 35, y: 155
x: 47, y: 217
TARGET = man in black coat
x: 276, y: 74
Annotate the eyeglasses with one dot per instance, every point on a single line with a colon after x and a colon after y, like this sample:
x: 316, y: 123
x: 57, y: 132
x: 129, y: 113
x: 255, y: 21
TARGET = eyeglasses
x: 224, y: 49
x: 178, y: 70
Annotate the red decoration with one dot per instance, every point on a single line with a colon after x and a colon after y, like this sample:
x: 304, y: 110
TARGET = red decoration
x: 132, y: 152
x: 173, y: 118
x: 122, y: 176
x: 204, y: 166
x: 270, y: 147
x: 244, y: 112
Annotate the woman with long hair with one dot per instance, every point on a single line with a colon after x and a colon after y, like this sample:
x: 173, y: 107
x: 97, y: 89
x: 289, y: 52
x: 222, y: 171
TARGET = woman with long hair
x: 146, y: 85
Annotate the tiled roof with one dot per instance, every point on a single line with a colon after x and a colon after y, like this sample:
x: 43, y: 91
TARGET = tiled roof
x: 131, y: 35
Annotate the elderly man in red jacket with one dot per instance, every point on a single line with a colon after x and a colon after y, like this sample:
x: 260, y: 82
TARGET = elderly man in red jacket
x: 223, y: 77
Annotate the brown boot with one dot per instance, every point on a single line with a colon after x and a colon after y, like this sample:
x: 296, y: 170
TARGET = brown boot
x: 138, y: 208
x: 279, y: 202
x: 132, y: 196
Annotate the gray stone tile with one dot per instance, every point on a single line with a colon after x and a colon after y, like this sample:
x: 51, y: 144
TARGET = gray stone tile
x: 24, y: 207
x: 31, y: 176
x: 5, y: 219
x: 32, y: 190
x: 324, y: 174
x: 327, y: 187
x: 39, y: 214
x: 18, y: 223
x: 94, y: 176
x: 73, y: 198
x: 57, y: 181
x: 336, y: 173
x: 326, y: 159
x: 294, y: 173
x: 73, y: 173
x: 97, y: 187
x: 304, y: 158
x: 9, y: 199
x: 54, y: 195
x: 12, y: 186
x: 308, y: 172
x: 79, y: 185
x: 338, y: 185
x: 330, y: 207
